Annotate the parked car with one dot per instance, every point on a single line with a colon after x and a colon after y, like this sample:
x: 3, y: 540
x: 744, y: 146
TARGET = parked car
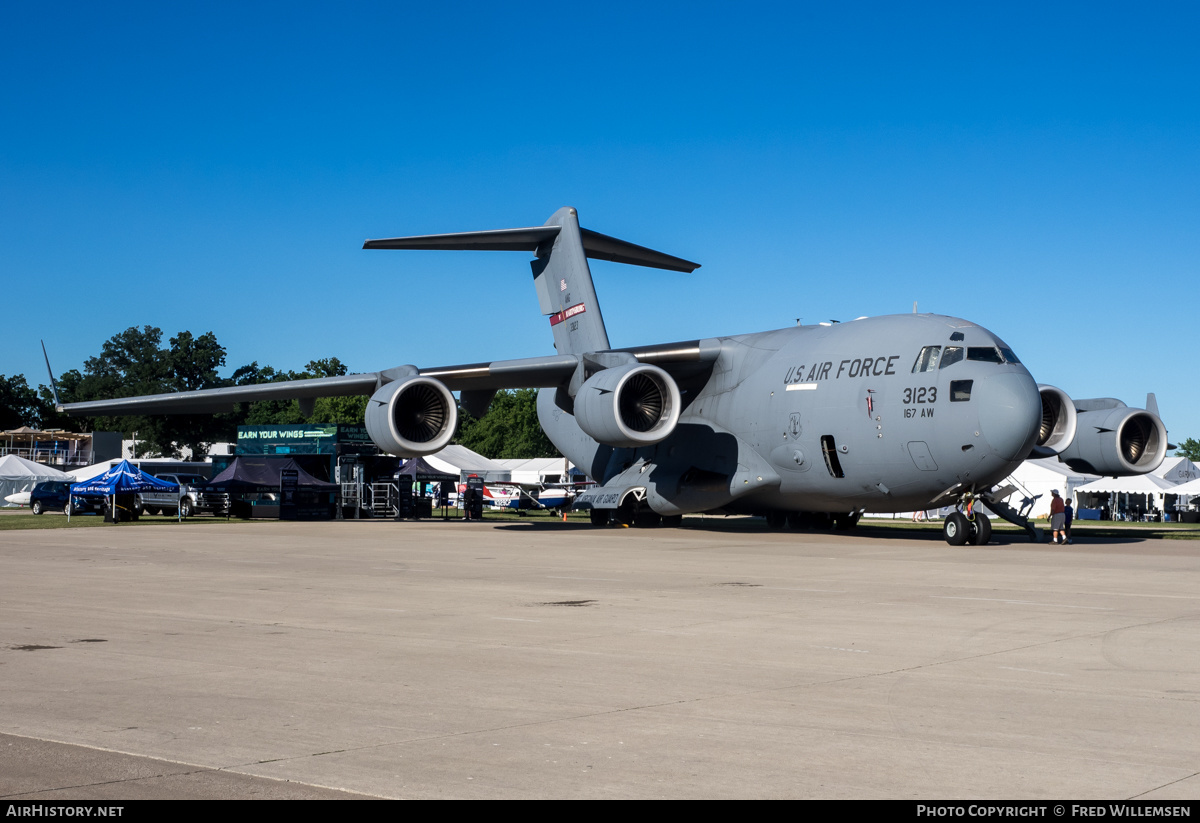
x: 190, y: 499
x: 55, y: 495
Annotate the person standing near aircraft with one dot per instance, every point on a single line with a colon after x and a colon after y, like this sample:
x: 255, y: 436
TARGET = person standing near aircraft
x: 1068, y: 516
x: 1057, y: 517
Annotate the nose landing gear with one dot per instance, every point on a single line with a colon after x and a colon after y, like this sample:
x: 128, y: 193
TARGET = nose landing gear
x: 961, y: 528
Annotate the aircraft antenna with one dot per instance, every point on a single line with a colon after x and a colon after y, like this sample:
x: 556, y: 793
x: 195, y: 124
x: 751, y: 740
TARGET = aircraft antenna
x: 914, y: 307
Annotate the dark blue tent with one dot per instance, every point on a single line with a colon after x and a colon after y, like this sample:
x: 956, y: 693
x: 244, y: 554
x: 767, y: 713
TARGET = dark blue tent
x: 263, y: 474
x: 419, y: 470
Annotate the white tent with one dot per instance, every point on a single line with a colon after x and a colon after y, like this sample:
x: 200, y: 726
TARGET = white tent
x: 1138, y: 484
x: 150, y: 465
x: 1177, y: 470
x: 538, y: 470
x: 462, y: 461
x: 94, y: 470
x: 1192, y: 487
x: 1128, y: 497
x: 1186, y: 501
x: 1037, y: 478
x: 20, y: 475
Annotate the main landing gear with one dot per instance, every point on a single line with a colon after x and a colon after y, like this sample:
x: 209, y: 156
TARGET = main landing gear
x: 961, y: 528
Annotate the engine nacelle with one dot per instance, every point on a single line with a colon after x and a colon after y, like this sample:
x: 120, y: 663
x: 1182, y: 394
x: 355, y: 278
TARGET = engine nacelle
x: 628, y: 406
x: 1116, y: 442
x: 412, y: 416
x: 1059, y: 422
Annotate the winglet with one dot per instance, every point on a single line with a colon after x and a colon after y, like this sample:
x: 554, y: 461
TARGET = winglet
x: 53, y: 388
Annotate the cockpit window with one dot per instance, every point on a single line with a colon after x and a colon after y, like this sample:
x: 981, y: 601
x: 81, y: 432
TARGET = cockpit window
x: 952, y: 355
x: 984, y: 354
x: 927, y: 360
x: 1009, y: 357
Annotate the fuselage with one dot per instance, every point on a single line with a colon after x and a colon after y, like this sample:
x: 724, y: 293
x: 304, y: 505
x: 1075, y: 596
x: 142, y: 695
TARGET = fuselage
x: 878, y: 414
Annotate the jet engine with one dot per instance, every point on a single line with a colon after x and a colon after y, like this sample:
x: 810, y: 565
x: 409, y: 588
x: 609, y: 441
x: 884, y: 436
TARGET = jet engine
x: 412, y: 416
x: 1116, y: 440
x: 628, y: 406
x: 1059, y: 422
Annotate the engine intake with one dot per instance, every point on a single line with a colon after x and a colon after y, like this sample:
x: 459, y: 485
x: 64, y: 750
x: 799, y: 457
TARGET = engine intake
x: 1059, y: 422
x: 1116, y: 442
x: 412, y: 416
x: 628, y: 406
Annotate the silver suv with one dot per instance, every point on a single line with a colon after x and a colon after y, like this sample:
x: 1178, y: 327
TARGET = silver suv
x: 188, y: 501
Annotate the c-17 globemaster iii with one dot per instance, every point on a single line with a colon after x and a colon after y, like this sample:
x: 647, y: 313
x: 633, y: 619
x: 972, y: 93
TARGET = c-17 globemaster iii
x: 810, y: 426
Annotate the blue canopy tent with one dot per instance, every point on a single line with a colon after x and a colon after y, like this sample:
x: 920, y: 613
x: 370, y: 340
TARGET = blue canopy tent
x: 123, y: 478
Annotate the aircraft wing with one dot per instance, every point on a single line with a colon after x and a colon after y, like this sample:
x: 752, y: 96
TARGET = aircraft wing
x: 480, y: 379
x: 531, y: 372
x: 220, y: 400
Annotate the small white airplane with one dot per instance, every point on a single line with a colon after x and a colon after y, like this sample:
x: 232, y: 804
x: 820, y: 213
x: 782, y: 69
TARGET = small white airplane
x: 562, y: 495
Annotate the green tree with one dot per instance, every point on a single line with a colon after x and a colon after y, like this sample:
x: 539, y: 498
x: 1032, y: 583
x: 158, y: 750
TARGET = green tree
x: 134, y: 362
x: 265, y: 412
x: 346, y: 410
x: 350, y: 410
x: 1190, y: 449
x: 68, y: 390
x: 510, y: 429
x: 193, y: 362
x: 19, y: 404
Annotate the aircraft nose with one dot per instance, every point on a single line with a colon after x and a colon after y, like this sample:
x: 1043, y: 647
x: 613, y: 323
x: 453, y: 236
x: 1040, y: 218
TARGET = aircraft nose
x: 1010, y: 410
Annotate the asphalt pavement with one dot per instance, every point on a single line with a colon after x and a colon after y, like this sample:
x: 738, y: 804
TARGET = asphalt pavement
x: 540, y: 660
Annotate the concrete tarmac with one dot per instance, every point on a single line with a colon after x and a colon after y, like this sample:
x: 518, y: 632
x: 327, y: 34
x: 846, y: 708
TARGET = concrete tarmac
x: 455, y: 660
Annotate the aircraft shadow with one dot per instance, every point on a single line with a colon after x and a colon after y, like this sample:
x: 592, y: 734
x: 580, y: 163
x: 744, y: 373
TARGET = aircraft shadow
x: 864, y: 531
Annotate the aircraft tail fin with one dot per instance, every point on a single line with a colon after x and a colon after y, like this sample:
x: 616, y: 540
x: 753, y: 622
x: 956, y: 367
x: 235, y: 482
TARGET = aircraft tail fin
x: 565, y: 289
x: 561, y: 274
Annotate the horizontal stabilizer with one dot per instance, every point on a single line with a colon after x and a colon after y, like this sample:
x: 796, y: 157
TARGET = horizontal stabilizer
x: 497, y: 240
x: 595, y: 245
x: 602, y: 247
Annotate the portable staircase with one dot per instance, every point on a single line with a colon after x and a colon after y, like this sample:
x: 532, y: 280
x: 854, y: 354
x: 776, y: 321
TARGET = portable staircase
x: 997, y: 501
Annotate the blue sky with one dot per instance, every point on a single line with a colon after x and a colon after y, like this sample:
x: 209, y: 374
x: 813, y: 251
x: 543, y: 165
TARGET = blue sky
x: 216, y: 167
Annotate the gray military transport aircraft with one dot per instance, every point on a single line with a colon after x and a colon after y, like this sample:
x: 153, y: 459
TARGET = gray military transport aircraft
x: 809, y: 426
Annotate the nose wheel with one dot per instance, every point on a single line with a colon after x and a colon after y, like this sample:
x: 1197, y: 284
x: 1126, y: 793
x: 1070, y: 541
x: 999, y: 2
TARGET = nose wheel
x: 972, y: 527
